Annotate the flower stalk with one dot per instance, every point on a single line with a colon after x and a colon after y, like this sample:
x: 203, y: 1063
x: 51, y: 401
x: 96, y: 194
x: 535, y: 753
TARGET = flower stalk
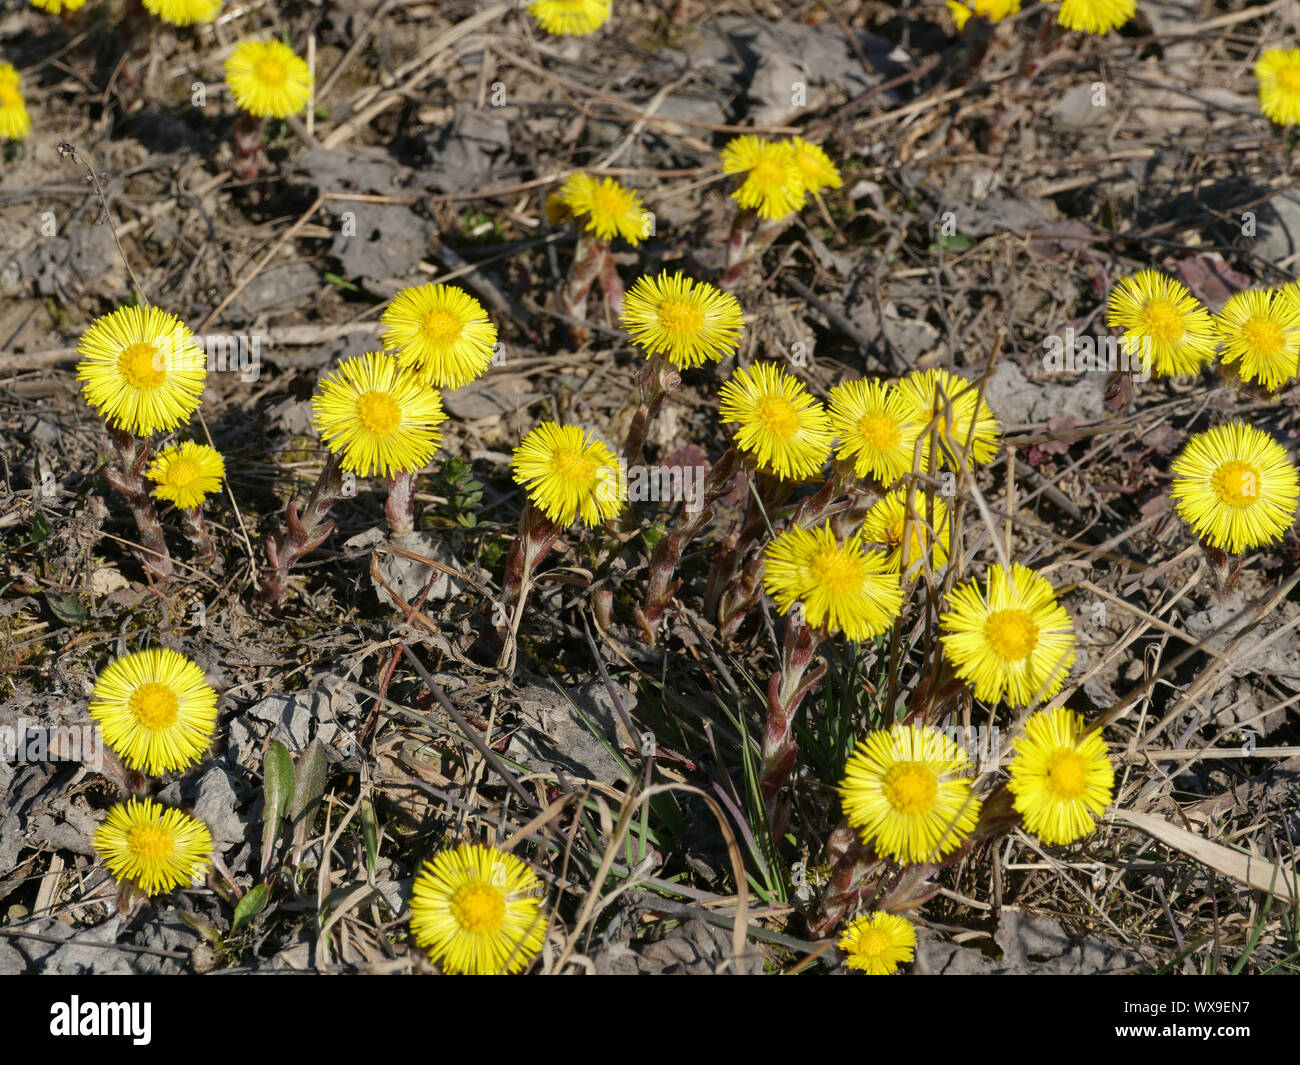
x: 591, y: 260
x: 785, y: 691
x: 748, y: 241
x: 126, y: 475
x: 301, y: 535
x: 399, y: 508
x: 537, y: 535
x: 656, y: 379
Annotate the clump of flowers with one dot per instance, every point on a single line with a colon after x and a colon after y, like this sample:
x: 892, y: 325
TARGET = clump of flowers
x: 154, y: 847
x: 478, y: 911
x: 876, y: 943
x: 1061, y: 776
x: 268, y: 80
x: 1010, y: 638
x: 1278, y: 72
x: 907, y: 790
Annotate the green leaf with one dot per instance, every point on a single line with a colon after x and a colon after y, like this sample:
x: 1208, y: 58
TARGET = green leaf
x: 40, y: 528
x: 309, y: 786
x: 338, y: 282
x: 956, y: 242
x: 67, y: 608
x: 253, y: 903
x: 277, y: 794
x: 370, y: 831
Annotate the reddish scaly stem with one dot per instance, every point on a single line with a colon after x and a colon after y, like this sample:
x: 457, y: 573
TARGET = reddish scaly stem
x: 246, y: 140
x: 750, y: 237
x: 400, y: 506
x: 537, y: 535
x: 302, y: 535
x: 588, y: 262
x: 126, y: 475
x: 785, y: 691
x: 196, y: 531
x: 656, y: 379
x: 135, y: 30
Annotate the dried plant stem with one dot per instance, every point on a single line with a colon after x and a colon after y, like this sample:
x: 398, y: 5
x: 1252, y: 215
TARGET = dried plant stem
x: 400, y: 506
x: 656, y: 379
x: 663, y: 583
x: 126, y: 475
x: 785, y: 691
x: 302, y: 535
x: 537, y: 535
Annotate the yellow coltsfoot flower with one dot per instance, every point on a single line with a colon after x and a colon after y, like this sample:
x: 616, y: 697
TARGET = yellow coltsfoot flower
x: 1095, y: 16
x: 478, y: 911
x: 843, y: 587
x: 570, y: 18
x: 187, y: 474
x: 876, y: 942
x: 1159, y: 316
x: 609, y: 208
x: 885, y: 522
x: 141, y: 369
x: 441, y: 332
x: 967, y: 430
x: 783, y: 428
x: 156, y: 710
x: 184, y: 12
x: 1010, y: 638
x: 815, y: 166
x: 1261, y: 332
x: 907, y: 790
x: 877, y: 428
x: 57, y: 7
x: 569, y: 473
x: 378, y: 417
x: 1061, y: 776
x: 1278, y: 71
x: 268, y: 79
x: 687, y: 322
x: 1235, y: 487
x: 15, y: 123
x: 774, y: 183
x: 992, y: 10
x: 155, y: 847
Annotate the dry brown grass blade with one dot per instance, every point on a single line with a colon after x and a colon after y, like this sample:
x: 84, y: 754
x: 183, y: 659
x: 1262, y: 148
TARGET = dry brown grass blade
x: 1258, y: 873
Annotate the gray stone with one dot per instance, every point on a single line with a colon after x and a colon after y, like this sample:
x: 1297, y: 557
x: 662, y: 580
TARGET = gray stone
x: 574, y: 731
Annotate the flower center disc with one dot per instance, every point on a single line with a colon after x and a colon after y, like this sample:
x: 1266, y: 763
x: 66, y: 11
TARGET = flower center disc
x: 479, y: 908
x: 9, y: 96
x: 379, y: 413
x: 1065, y: 774
x: 1012, y: 634
x: 1289, y: 78
x: 1236, y: 483
x: 150, y: 843
x: 608, y: 200
x: 154, y: 705
x: 768, y: 171
x: 139, y: 365
x: 1161, y: 319
x: 270, y: 71
x: 574, y: 465
x: 1263, y: 335
x: 681, y: 316
x: 880, y: 430
x: 873, y: 943
x: 441, y: 325
x: 182, y: 473
x: 778, y: 416
x: 911, y: 787
x: 836, y: 571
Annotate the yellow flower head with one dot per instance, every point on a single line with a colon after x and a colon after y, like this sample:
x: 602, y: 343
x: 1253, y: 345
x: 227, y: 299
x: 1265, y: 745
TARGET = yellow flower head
x: 1060, y: 777
x: 610, y: 208
x: 378, y: 416
x: 782, y: 427
x: 1278, y: 71
x: 1262, y: 331
x: 184, y: 12
x: 932, y: 394
x: 877, y: 428
x: 1095, y: 16
x: 569, y: 473
x: 876, y: 942
x: 268, y: 79
x: 156, y: 710
x: 885, y: 521
x: 141, y: 369
x: 842, y: 587
x: 774, y: 184
x: 688, y: 322
x: 907, y: 790
x: 441, y: 332
x: 155, y: 847
x: 815, y: 166
x: 992, y: 10
x: 1011, y: 638
x: 478, y: 911
x: 1235, y: 487
x: 188, y: 474
x: 570, y: 18
x: 57, y: 7
x: 15, y: 123
x: 1159, y: 315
